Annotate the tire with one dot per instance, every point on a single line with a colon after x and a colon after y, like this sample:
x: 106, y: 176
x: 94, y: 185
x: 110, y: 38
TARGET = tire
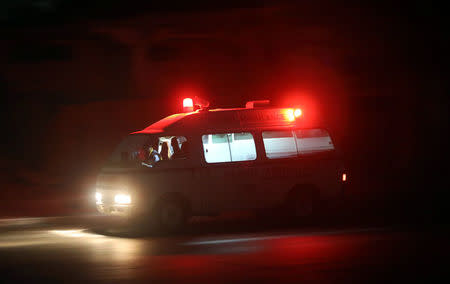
x: 171, y: 215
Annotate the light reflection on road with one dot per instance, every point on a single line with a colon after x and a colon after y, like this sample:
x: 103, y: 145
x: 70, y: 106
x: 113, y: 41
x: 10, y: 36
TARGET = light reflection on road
x: 99, y: 247
x: 56, y: 252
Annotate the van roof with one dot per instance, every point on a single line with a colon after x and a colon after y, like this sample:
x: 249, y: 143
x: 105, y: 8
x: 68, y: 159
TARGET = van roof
x: 223, y: 119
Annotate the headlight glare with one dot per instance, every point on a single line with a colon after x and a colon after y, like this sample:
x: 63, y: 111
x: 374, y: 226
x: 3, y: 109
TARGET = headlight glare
x: 122, y: 199
x: 98, y: 197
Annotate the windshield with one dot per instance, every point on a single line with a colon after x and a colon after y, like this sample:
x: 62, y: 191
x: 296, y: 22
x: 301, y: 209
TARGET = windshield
x: 131, y: 151
x: 148, y: 150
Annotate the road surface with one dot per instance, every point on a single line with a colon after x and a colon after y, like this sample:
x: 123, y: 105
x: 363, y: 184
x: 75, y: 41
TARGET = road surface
x: 93, y: 249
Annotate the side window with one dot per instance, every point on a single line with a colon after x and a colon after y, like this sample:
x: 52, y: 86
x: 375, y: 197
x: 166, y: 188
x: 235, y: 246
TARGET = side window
x: 283, y: 144
x: 242, y: 147
x: 173, y: 147
x: 179, y: 147
x: 229, y: 147
x: 216, y: 149
x: 279, y: 144
x: 313, y: 140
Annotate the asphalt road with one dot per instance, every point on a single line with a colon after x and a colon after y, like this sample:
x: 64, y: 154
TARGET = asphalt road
x: 94, y: 249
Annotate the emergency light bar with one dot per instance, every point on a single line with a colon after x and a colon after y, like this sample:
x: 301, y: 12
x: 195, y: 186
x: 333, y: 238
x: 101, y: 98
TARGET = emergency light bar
x: 201, y: 103
x: 291, y: 114
x: 257, y: 116
x: 189, y: 103
x: 260, y: 103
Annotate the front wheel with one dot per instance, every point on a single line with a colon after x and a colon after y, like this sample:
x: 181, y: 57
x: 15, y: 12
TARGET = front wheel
x: 170, y: 215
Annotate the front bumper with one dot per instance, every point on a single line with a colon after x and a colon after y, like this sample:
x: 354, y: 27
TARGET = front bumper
x: 116, y: 209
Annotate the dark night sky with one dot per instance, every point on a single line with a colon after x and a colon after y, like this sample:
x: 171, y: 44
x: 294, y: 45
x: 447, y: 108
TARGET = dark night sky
x: 69, y: 65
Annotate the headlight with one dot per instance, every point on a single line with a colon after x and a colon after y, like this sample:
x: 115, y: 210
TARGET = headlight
x: 98, y: 197
x: 122, y: 199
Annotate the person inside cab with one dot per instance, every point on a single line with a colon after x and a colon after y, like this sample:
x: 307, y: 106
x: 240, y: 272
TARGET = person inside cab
x: 182, y: 153
x: 175, y: 147
x: 164, y: 151
x: 153, y: 155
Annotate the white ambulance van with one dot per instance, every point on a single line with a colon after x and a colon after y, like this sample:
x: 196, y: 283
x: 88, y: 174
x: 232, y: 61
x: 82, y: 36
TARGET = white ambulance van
x: 208, y: 161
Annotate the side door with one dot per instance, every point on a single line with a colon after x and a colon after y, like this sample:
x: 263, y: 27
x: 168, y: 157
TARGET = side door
x: 293, y: 157
x: 321, y: 165
x: 280, y: 168
x: 226, y: 158
x: 178, y: 172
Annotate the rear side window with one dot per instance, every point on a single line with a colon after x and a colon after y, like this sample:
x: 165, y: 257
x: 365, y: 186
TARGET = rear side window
x: 229, y: 147
x: 279, y: 144
x: 313, y: 140
x: 285, y: 144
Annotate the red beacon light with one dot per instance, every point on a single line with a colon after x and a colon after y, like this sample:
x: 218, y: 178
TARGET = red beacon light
x: 188, y: 105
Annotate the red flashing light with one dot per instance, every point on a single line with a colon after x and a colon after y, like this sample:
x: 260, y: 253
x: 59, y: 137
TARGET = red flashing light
x: 291, y: 114
x: 188, y: 105
x: 188, y: 102
x: 344, y: 177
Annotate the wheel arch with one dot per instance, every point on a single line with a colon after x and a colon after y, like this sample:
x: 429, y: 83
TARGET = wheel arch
x: 177, y: 197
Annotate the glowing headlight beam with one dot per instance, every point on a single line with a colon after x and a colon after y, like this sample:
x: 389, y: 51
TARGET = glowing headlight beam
x: 98, y: 197
x: 122, y: 199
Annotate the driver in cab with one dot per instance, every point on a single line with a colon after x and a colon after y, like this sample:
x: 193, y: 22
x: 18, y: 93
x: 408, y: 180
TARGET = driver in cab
x: 153, y: 156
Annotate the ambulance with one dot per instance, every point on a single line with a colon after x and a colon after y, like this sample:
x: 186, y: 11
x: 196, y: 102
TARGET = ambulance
x: 204, y: 162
